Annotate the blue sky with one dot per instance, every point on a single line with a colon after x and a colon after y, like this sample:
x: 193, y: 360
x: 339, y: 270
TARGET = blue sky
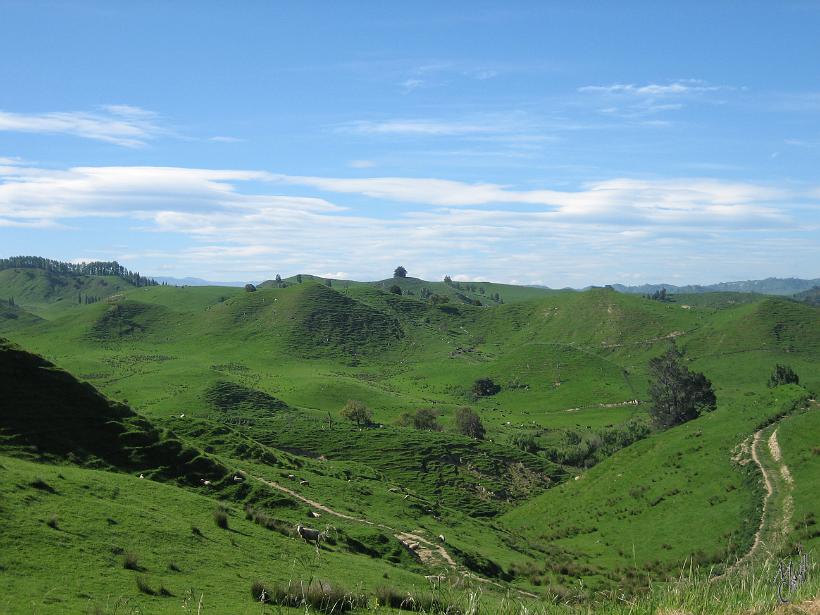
x: 530, y: 142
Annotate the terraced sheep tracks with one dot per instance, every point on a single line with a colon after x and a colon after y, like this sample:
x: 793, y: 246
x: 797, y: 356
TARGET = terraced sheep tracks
x: 430, y: 553
x: 778, y: 505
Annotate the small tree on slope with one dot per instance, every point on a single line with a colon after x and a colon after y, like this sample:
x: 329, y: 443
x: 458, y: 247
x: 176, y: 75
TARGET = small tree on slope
x: 357, y: 412
x: 677, y: 394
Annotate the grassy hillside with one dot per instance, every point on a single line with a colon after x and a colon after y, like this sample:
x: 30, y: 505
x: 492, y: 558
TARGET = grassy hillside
x: 570, y: 482
x: 47, y: 293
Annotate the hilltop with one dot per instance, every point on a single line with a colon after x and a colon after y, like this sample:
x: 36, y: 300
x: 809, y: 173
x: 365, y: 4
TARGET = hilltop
x: 214, y: 381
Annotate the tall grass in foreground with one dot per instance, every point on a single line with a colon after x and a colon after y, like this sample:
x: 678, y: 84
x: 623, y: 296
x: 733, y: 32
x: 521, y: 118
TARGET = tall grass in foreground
x: 753, y: 591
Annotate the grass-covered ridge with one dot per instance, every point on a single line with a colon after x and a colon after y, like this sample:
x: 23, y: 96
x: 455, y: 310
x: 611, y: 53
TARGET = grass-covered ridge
x: 569, y: 483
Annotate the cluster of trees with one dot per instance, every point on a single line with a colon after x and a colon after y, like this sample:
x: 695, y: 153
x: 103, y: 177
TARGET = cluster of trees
x: 467, y: 422
x: 783, y: 374
x: 88, y: 299
x: 111, y: 268
x: 658, y: 295
x: 677, y: 394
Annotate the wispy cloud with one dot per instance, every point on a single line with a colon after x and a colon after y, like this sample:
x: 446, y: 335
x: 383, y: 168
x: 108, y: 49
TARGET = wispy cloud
x: 675, y: 88
x: 247, y: 220
x: 122, y: 125
x: 422, y: 127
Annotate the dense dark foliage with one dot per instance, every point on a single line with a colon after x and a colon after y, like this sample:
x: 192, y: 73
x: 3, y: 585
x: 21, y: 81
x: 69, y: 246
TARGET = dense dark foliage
x: 112, y: 268
x: 468, y: 423
x: 677, y: 394
x: 783, y: 374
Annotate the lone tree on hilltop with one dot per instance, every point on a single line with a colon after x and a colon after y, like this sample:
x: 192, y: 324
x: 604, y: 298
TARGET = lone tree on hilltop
x: 468, y: 423
x: 783, y: 374
x: 395, y: 289
x: 677, y: 394
x: 484, y: 387
x: 357, y: 412
x: 400, y: 272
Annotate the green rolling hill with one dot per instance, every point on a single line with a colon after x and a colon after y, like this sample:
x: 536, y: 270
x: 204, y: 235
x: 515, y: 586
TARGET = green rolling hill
x: 212, y: 383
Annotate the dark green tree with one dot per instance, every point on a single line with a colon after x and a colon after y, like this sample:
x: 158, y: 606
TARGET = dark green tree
x: 484, y: 387
x: 395, y: 289
x: 783, y: 374
x: 299, y: 278
x: 250, y: 288
x: 676, y: 393
x: 468, y: 423
x: 400, y: 272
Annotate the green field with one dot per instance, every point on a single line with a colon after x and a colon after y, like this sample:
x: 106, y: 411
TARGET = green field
x: 571, y: 496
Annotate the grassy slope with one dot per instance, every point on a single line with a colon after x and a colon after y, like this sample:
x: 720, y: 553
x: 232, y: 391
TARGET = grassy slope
x: 596, y: 344
x: 47, y: 293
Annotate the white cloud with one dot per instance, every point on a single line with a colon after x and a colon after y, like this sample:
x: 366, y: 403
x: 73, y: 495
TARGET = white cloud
x: 361, y: 164
x: 416, y: 127
x: 675, y: 88
x: 122, y: 125
x: 481, y: 230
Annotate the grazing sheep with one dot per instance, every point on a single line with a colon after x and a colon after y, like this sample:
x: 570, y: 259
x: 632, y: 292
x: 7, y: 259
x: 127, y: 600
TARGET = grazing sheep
x: 313, y: 514
x: 182, y: 416
x: 237, y: 479
x: 292, y: 476
x: 205, y: 482
x: 413, y: 546
x: 441, y: 537
x: 304, y: 482
x: 394, y: 490
x: 141, y: 476
x: 309, y: 534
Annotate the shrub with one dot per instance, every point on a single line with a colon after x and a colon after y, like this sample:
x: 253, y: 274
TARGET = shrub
x: 468, y: 423
x: 426, y: 419
x: 319, y: 595
x: 250, y: 288
x: 395, y: 289
x: 357, y: 412
x: 196, y: 531
x: 131, y: 562
x: 39, y: 483
x: 173, y: 567
x: 221, y: 518
x: 485, y: 387
x: 53, y: 522
x: 144, y: 587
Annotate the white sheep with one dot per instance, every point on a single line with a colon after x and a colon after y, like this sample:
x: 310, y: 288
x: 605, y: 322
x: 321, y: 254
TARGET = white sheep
x: 441, y: 537
x: 304, y: 482
x: 141, y: 476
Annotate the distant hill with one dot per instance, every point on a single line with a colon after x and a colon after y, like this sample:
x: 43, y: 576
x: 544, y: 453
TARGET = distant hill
x: 194, y: 282
x: 769, y: 286
x: 810, y: 296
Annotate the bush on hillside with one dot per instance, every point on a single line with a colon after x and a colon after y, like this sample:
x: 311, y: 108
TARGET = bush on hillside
x: 783, y: 374
x: 468, y: 423
x: 250, y: 288
x: 425, y: 419
x: 357, y: 412
x: 395, y: 289
x: 485, y: 387
x: 677, y: 394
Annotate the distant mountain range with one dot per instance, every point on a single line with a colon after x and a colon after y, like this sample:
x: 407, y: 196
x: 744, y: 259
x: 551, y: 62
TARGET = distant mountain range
x: 769, y: 286
x: 194, y: 282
